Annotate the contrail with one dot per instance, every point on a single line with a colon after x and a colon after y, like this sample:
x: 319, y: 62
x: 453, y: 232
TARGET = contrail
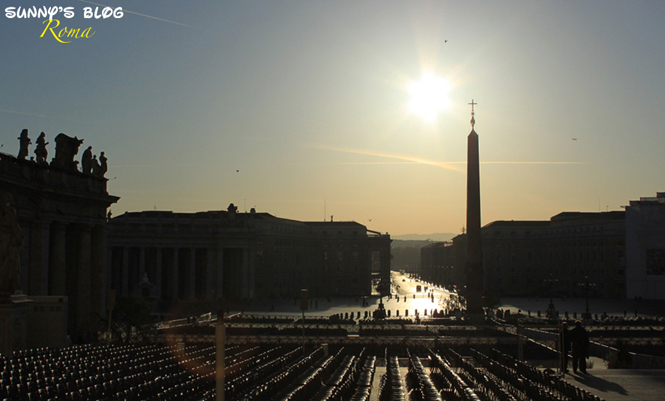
x: 411, y: 159
x: 499, y: 162
x: 416, y: 160
x: 142, y: 15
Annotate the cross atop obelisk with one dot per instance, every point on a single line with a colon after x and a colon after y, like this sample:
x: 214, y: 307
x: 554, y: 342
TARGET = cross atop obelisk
x: 473, y: 113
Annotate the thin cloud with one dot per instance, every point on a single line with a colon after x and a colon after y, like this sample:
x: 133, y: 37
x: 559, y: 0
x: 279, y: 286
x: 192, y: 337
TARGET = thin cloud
x: 370, y: 163
x: 124, y: 10
x: 499, y: 162
x: 409, y: 159
x: 417, y: 160
x: 154, y: 165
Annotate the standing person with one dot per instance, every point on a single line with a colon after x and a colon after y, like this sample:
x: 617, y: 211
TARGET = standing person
x: 564, y: 346
x: 579, y: 339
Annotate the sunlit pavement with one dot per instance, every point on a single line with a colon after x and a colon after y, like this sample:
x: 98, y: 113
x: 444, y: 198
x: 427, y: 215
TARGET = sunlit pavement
x: 622, y: 384
x: 402, y: 287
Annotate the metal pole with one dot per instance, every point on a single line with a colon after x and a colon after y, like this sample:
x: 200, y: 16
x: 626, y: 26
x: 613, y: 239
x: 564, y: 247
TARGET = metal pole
x: 220, y: 336
x: 562, y: 350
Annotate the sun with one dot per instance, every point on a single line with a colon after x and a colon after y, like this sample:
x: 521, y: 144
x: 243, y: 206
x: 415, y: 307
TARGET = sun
x: 429, y: 96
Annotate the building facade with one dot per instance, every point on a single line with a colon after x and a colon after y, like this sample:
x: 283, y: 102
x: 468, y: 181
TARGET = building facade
x: 645, y: 247
x: 62, y: 215
x: 573, y: 254
x: 217, y: 255
x: 437, y: 263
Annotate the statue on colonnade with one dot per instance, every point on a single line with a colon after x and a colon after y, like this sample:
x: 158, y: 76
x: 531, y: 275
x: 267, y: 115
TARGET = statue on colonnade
x: 24, y: 142
x: 40, y: 150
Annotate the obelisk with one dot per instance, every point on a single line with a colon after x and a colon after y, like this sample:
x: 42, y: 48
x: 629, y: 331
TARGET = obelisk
x: 474, y: 253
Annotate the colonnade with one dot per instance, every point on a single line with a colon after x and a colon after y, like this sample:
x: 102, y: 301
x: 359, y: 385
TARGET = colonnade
x: 181, y: 272
x: 61, y: 258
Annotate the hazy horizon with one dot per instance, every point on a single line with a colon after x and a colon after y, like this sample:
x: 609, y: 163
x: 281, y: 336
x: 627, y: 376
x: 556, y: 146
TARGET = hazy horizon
x: 301, y: 109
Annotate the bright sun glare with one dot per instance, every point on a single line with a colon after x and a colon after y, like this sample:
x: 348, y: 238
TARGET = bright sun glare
x: 429, y: 96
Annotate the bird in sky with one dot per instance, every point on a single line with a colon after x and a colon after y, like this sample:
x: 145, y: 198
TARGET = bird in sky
x: 574, y: 139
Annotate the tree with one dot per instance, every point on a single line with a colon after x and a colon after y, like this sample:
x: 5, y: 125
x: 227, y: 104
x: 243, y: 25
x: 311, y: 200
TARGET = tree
x: 131, y: 317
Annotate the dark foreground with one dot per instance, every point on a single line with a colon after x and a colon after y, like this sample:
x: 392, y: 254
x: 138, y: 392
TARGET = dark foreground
x: 274, y: 371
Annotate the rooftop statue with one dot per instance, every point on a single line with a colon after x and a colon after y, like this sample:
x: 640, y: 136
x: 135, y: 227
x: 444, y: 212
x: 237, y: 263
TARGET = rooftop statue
x: 232, y: 209
x: 66, y: 148
x: 24, y: 142
x: 11, y: 243
x: 96, y: 167
x: 86, y: 161
x: 40, y: 150
x: 103, y: 165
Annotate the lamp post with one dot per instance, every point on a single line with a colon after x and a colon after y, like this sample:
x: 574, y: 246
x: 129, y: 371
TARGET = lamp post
x: 220, y: 367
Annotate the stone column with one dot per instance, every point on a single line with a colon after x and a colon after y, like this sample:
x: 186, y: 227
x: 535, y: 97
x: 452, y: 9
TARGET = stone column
x: 158, y: 273
x: 219, y: 272
x: 142, y: 264
x: 24, y: 279
x: 191, y: 275
x: 39, y: 258
x: 210, y: 275
x: 245, y: 290
x: 124, y: 275
x: 83, y: 279
x: 57, y: 258
x: 174, y: 276
x: 250, y: 264
x: 98, y: 270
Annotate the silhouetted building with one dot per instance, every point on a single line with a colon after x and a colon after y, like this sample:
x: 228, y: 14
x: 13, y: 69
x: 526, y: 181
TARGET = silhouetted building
x: 225, y: 254
x: 62, y: 214
x: 436, y: 262
x: 645, y: 247
x: 573, y: 254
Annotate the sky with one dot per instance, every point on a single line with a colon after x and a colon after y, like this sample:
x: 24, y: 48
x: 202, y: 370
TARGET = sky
x: 301, y: 108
